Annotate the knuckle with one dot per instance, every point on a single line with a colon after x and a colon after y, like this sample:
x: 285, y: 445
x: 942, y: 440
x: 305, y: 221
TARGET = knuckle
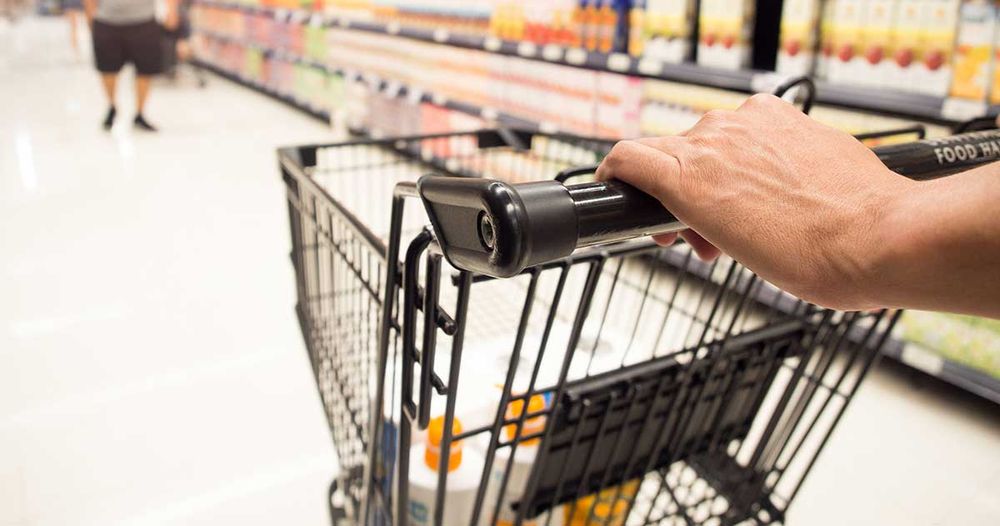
x: 762, y: 100
x: 715, y: 116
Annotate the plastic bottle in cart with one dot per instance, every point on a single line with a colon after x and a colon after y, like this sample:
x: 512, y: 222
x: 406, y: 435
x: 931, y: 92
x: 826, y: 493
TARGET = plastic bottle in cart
x: 464, y: 469
x: 520, y: 467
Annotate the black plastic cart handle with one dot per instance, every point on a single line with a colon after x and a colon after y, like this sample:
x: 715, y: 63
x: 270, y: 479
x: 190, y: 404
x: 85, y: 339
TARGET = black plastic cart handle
x: 498, y: 229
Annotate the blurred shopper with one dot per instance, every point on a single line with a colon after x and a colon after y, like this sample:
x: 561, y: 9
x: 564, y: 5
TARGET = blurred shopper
x: 73, y: 10
x: 126, y: 31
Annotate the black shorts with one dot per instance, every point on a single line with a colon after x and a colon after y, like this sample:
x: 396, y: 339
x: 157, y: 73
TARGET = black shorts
x: 114, y: 45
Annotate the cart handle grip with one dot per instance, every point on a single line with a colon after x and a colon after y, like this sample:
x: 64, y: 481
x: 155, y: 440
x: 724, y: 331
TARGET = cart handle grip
x: 499, y: 229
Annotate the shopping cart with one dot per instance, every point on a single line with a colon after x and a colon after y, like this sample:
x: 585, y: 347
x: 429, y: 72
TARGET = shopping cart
x: 604, y: 380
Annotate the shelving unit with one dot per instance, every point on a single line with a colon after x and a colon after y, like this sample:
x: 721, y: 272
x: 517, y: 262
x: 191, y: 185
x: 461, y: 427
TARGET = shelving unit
x: 881, y: 101
x: 387, y: 88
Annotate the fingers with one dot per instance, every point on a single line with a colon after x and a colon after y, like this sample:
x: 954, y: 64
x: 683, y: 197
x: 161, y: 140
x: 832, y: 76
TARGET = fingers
x: 645, y: 167
x: 705, y: 250
x: 665, y: 240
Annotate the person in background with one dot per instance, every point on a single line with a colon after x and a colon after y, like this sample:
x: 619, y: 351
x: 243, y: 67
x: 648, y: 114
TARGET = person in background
x: 73, y: 9
x: 126, y: 31
x: 813, y: 211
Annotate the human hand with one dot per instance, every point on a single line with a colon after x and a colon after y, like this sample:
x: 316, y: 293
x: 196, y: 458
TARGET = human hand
x: 799, y: 203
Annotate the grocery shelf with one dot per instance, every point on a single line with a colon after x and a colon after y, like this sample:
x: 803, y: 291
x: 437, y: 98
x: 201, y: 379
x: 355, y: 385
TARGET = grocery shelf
x: 954, y: 373
x: 940, y: 110
x: 386, y: 87
x: 319, y: 114
x: 908, y: 353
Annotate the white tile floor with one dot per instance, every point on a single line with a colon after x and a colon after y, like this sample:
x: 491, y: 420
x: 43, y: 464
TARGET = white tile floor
x: 151, y: 370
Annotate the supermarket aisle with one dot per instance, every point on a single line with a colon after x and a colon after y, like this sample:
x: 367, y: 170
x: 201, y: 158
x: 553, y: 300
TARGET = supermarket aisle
x: 153, y: 371
x: 158, y: 375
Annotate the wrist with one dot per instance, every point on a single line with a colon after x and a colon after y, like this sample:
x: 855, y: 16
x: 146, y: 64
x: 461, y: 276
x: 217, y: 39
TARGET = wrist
x: 899, y: 235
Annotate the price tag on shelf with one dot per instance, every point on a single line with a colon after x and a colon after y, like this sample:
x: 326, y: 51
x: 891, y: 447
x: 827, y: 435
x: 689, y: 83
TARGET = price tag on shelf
x: 576, y: 56
x: 316, y: 20
x: 962, y: 109
x: 343, y: 22
x: 392, y: 28
x: 489, y: 114
x: 492, y: 44
x: 439, y: 99
x: 618, y: 62
x: 392, y: 89
x: 650, y: 66
x: 527, y: 49
x: 548, y: 127
x: 552, y: 53
x: 414, y: 96
x: 281, y: 14
x: 441, y: 35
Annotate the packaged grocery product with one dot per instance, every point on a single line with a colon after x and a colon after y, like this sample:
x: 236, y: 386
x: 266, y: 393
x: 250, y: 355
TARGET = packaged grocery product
x: 973, y: 62
x: 826, y: 34
x: 905, y: 45
x: 995, y: 85
x: 667, y: 30
x: 725, y: 28
x: 937, y: 41
x: 606, y: 508
x: 874, y: 61
x: 796, y: 49
x: 846, y: 41
x: 517, y: 469
x: 464, y: 469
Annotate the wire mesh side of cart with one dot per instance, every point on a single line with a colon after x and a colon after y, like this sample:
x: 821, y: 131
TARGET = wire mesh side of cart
x: 339, y: 197
x: 680, y: 392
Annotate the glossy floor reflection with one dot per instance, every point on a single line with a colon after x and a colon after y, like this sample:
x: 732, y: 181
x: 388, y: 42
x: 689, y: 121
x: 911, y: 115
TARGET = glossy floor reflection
x: 151, y: 368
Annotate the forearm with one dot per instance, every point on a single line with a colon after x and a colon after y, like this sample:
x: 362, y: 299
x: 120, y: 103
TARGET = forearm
x: 89, y: 8
x: 940, y: 246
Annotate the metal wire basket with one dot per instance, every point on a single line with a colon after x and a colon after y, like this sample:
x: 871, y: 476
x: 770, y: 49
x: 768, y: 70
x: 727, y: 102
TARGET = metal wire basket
x: 605, y: 381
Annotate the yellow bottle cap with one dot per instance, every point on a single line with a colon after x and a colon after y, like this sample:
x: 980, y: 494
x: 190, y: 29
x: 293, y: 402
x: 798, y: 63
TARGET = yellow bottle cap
x: 532, y: 425
x: 432, y: 452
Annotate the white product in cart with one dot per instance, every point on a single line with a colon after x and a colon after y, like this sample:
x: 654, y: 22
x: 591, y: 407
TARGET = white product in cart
x: 464, y: 469
x: 519, y: 468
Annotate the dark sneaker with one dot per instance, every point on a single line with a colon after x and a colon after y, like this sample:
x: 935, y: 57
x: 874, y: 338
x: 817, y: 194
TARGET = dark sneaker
x: 109, y: 119
x: 141, y: 123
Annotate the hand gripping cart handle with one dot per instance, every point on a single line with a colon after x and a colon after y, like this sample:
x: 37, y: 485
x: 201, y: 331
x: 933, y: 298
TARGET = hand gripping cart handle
x: 500, y: 229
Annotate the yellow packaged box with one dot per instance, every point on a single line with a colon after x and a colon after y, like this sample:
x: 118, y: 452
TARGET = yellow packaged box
x: 971, y: 68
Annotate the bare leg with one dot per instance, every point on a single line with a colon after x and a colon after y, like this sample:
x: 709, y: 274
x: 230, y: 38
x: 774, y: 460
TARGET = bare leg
x: 141, y: 92
x: 109, y: 81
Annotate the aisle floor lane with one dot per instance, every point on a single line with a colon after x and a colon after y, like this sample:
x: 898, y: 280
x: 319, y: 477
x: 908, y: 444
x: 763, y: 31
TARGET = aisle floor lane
x: 152, y: 370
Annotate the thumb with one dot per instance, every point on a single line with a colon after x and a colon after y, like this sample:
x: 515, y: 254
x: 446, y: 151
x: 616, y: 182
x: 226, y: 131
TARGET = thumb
x: 643, y: 166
